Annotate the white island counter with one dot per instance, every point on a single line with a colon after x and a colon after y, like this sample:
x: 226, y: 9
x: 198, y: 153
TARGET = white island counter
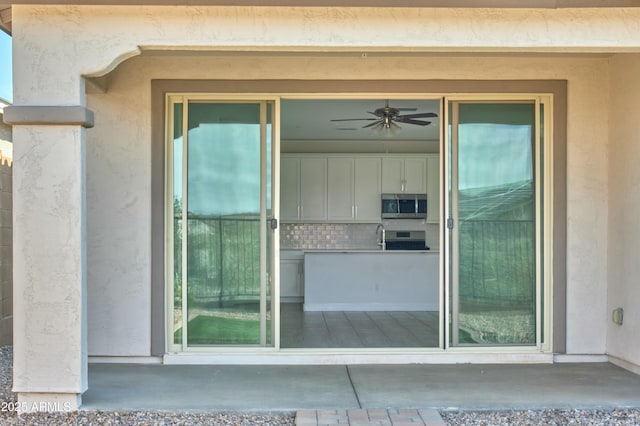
x: 371, y: 280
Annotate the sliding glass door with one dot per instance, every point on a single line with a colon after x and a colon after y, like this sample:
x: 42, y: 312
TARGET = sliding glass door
x: 494, y: 222
x: 220, y: 163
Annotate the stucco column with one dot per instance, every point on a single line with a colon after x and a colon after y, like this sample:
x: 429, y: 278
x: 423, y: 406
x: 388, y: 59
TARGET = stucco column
x: 49, y: 216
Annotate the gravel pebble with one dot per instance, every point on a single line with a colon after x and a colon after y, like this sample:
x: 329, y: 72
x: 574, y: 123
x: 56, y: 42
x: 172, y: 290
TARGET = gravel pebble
x: 543, y: 417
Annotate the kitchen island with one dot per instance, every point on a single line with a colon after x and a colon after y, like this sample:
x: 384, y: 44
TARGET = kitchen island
x: 371, y: 280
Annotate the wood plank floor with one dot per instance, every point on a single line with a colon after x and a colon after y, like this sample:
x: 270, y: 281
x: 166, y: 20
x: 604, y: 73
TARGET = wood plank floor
x: 372, y: 329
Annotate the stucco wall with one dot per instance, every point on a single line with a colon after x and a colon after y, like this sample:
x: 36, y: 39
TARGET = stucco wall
x: 624, y: 208
x: 118, y: 172
x: 54, y: 45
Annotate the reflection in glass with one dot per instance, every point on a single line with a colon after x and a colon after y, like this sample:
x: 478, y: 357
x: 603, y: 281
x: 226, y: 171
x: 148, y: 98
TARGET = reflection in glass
x: 223, y: 228
x: 496, y: 224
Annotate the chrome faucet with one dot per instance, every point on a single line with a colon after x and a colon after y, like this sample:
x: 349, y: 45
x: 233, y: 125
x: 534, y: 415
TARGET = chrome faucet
x: 381, y: 239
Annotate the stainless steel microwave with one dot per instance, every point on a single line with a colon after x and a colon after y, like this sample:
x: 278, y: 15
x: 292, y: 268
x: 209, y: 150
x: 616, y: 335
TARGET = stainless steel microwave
x: 404, y: 206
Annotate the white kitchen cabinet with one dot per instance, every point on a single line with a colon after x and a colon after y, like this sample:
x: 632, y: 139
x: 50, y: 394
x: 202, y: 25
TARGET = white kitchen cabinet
x: 291, y: 276
x: 313, y: 188
x: 392, y: 175
x: 353, y: 192
x: 340, y: 188
x: 371, y: 281
x: 367, y: 184
x: 289, y: 188
x: 303, y: 188
x: 433, y: 188
x: 404, y: 175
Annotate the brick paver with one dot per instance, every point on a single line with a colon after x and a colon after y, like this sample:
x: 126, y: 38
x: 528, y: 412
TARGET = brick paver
x: 370, y: 417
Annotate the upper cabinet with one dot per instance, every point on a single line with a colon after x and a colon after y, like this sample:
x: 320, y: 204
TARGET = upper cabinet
x: 404, y: 174
x: 433, y: 188
x: 303, y: 188
x: 289, y: 188
x: 347, y: 188
x: 367, y: 184
x: 313, y: 187
x: 340, y: 193
x: 353, y: 189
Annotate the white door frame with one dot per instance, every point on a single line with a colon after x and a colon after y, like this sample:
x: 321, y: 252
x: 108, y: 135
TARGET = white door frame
x: 543, y: 175
x: 445, y: 353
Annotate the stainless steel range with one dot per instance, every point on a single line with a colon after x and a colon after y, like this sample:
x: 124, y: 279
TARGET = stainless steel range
x: 405, y: 240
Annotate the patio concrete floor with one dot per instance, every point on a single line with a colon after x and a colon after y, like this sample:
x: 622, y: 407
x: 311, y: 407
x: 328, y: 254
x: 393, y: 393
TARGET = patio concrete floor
x: 279, y: 389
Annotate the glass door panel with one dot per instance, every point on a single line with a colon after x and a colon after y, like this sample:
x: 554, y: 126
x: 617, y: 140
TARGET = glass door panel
x: 221, y: 183
x: 175, y: 239
x: 493, y: 238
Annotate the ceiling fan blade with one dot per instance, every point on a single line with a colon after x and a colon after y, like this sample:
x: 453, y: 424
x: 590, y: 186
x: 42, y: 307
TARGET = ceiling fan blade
x: 419, y: 115
x: 372, y: 124
x: 412, y: 121
x: 354, y: 119
x: 406, y: 109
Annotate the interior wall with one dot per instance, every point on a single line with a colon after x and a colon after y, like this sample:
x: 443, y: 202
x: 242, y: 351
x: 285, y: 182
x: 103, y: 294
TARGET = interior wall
x: 624, y: 209
x: 119, y: 172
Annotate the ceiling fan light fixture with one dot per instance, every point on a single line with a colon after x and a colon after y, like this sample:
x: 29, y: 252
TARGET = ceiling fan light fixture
x: 386, y: 118
x: 386, y: 129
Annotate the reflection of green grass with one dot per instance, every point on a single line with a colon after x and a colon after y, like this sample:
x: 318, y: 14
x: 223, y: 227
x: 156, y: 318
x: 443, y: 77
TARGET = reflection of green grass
x: 215, y: 330
x: 465, y: 337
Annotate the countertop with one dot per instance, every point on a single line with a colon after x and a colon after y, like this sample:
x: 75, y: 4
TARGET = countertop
x: 368, y: 251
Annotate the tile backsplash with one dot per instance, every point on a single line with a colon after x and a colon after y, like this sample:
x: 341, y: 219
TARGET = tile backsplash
x: 328, y: 236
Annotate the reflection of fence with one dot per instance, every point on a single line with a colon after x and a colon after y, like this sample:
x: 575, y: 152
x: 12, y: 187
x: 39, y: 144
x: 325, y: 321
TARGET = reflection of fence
x: 223, y: 258
x: 497, y: 262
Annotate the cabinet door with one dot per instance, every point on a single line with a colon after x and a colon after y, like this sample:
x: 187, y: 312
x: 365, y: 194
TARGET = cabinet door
x: 340, y: 188
x: 367, y: 189
x: 392, y: 177
x: 433, y: 189
x: 313, y: 188
x: 415, y: 175
x: 290, y: 278
x: 289, y: 188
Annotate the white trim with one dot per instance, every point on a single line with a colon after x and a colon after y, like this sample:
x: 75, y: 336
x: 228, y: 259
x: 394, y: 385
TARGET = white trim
x: 125, y: 360
x: 263, y: 267
x: 297, y: 358
x: 627, y: 365
x: 488, y: 354
x: 538, y: 217
x: 183, y: 224
x: 545, y: 193
x: 275, y: 213
x: 185, y: 98
x: 169, y: 147
x: 547, y: 225
x: 572, y: 358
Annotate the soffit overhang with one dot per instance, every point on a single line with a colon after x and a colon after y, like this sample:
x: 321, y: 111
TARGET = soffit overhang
x: 351, y: 3
x: 5, y: 7
x: 5, y: 18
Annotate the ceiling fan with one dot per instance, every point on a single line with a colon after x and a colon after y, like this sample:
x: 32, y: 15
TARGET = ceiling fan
x: 387, y: 117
